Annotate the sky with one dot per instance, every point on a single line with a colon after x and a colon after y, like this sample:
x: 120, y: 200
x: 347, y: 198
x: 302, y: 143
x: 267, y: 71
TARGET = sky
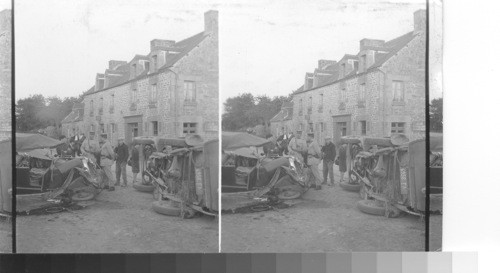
x: 265, y: 47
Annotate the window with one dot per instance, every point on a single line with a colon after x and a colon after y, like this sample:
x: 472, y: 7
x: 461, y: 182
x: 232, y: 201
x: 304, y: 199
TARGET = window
x: 362, y: 124
x: 189, y: 91
x: 397, y: 127
x: 134, y: 96
x: 397, y: 91
x: 92, y: 127
x: 134, y: 70
x: 363, y: 63
x: 322, y: 127
x: 342, y: 71
x: 91, y: 108
x: 300, y: 107
x: 101, y: 105
x: 342, y: 127
x: 320, y: 107
x: 343, y: 95
x: 189, y: 128
x: 310, y: 83
x: 154, y: 127
x: 310, y: 105
x: 153, y: 94
x: 154, y: 63
x: 101, y: 128
x: 311, y: 128
x: 362, y: 92
x: 112, y: 104
x: 146, y: 65
x: 113, y: 127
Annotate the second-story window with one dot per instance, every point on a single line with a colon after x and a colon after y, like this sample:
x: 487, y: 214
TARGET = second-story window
x: 320, y: 107
x: 310, y: 105
x: 300, y: 107
x: 134, y: 96
x: 92, y: 107
x: 189, y: 91
x: 101, y: 105
x: 362, y: 92
x: 397, y: 91
x: 343, y: 95
x: 153, y: 94
x: 112, y: 104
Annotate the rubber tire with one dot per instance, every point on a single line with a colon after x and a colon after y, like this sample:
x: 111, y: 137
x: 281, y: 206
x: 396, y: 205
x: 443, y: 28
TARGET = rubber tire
x: 350, y: 187
x: 282, y: 195
x: 164, y: 207
x: 143, y: 188
x: 368, y: 207
x: 90, y: 196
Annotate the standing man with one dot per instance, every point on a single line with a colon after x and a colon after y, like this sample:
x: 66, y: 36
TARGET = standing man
x: 329, y: 154
x: 107, y: 158
x: 313, y: 159
x: 121, y: 152
x: 296, y: 147
x: 90, y: 147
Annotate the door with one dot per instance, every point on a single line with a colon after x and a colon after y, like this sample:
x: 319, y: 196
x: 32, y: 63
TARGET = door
x: 131, y: 132
x: 341, y: 127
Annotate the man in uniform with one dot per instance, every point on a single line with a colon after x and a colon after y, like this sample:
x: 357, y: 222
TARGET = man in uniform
x: 329, y: 155
x: 296, y: 147
x: 90, y: 147
x: 121, y: 152
x: 313, y: 159
x: 107, y: 159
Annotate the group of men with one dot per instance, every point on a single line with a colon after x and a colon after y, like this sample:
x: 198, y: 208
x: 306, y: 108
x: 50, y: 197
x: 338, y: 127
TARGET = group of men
x: 102, y: 154
x: 310, y: 153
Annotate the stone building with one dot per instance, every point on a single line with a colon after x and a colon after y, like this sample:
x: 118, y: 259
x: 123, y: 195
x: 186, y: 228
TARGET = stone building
x: 377, y: 92
x: 170, y: 92
x: 6, y: 74
x: 73, y: 124
x: 282, y: 122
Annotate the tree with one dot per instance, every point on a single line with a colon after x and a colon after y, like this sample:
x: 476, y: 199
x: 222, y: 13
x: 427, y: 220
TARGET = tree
x: 245, y: 110
x: 436, y: 115
x: 27, y: 113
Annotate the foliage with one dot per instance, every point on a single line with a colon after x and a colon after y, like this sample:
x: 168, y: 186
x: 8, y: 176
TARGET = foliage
x: 37, y: 112
x: 246, y: 110
x: 436, y: 115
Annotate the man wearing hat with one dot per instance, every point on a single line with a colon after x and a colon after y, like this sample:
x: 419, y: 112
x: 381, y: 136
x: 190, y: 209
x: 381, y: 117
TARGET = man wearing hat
x: 90, y: 147
x: 329, y: 154
x: 121, y: 152
x: 107, y: 159
x: 313, y: 159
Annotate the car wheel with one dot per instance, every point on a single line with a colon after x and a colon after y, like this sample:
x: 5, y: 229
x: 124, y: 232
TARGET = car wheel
x: 371, y: 207
x: 350, y: 187
x: 143, y: 188
x: 164, y: 207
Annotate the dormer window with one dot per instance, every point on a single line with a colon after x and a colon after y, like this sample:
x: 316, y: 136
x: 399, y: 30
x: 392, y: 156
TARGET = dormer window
x: 154, y: 63
x: 134, y: 71
x: 342, y: 71
x: 146, y: 65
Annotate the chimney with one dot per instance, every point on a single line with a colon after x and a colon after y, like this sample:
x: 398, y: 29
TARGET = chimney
x: 99, y: 82
x: 211, y: 22
x: 370, y: 43
x: 113, y: 64
x: 419, y: 21
x: 157, y: 43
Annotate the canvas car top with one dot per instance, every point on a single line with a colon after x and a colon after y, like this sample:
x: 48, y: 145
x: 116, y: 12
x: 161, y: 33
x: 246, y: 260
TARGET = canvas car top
x: 26, y: 142
x: 235, y: 140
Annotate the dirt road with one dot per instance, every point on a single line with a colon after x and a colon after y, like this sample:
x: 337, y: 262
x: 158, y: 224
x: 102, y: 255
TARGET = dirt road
x: 118, y: 221
x: 325, y: 220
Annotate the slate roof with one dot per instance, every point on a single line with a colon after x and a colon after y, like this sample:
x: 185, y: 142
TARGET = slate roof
x: 389, y: 49
x: 182, y: 48
x: 286, y: 112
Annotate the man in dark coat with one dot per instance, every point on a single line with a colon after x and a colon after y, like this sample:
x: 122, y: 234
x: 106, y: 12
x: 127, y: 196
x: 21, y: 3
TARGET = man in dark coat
x: 121, y: 152
x: 329, y: 154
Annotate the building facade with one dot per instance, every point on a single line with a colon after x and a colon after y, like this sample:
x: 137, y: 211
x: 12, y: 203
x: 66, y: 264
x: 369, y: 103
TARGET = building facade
x: 73, y: 124
x: 170, y: 92
x: 6, y: 74
x: 378, y: 92
x: 282, y: 122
